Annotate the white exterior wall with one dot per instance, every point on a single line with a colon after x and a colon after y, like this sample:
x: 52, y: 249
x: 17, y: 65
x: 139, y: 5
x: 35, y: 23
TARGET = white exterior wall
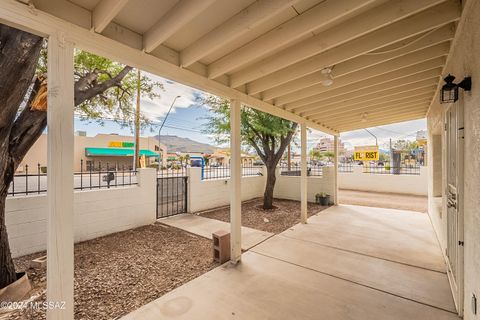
x: 97, y: 213
x: 213, y: 193
x: 288, y: 187
x: 463, y: 61
x: 391, y: 183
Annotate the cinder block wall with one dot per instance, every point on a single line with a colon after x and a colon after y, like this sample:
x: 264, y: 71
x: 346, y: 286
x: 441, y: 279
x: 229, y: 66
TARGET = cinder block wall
x: 213, y: 193
x: 404, y: 183
x: 97, y: 213
x: 288, y: 187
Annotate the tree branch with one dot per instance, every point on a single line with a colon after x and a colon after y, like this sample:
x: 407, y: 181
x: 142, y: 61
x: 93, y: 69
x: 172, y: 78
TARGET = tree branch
x: 83, y: 93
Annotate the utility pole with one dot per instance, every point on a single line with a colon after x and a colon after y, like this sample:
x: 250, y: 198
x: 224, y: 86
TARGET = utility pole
x: 136, y: 156
x: 160, y: 131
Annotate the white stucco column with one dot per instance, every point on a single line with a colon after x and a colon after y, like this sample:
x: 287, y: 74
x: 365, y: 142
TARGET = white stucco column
x: 335, y: 169
x: 235, y: 183
x: 60, y: 179
x: 303, y: 175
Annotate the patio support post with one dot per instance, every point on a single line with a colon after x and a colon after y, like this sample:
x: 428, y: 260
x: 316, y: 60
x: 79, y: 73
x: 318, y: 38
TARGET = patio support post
x: 303, y: 176
x: 235, y: 183
x: 335, y: 169
x: 60, y: 179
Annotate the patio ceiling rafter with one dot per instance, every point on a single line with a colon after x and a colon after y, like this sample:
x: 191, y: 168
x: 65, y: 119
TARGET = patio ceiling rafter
x: 428, y: 81
x: 21, y: 16
x: 183, y: 12
x: 392, y: 101
x: 321, y: 15
x: 385, y: 69
x: 248, y: 18
x: 377, y: 122
x: 338, y: 113
x: 423, y: 70
x: 349, y: 71
x: 268, y: 54
x: 104, y: 12
x: 377, y: 28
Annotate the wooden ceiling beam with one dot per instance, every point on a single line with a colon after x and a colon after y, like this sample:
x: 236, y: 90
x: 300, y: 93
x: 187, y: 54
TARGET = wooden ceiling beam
x: 308, y: 85
x: 177, y: 17
x: 384, y: 110
x: 357, y: 124
x: 105, y: 11
x: 247, y: 19
x: 426, y: 98
x: 428, y: 20
x: 323, y: 14
x: 395, y: 94
x: 401, y: 76
x: 423, y: 79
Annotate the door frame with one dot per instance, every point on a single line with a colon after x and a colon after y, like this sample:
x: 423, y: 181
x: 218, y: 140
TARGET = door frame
x: 458, y: 282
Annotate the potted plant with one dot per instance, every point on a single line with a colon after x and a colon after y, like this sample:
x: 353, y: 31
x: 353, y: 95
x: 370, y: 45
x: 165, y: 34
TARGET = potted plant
x: 322, y: 198
x: 387, y: 167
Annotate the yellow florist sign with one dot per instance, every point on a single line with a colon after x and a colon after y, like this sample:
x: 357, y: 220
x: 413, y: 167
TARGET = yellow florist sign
x: 366, y: 153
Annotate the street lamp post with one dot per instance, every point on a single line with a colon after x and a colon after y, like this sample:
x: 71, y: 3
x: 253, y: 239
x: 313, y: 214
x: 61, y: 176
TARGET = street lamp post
x: 160, y: 130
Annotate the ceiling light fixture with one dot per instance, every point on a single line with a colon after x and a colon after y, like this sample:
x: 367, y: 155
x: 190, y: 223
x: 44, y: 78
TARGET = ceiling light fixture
x: 327, y: 74
x: 364, y: 117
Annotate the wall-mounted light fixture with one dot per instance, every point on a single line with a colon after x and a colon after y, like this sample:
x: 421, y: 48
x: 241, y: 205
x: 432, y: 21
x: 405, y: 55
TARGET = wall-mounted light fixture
x: 449, y: 92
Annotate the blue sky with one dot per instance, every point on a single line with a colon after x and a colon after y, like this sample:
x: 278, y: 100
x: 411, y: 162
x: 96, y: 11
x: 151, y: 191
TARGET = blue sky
x: 188, y: 117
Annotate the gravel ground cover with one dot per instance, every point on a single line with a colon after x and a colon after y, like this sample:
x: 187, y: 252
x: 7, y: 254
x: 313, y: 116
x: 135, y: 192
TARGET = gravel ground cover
x: 119, y: 273
x: 285, y: 215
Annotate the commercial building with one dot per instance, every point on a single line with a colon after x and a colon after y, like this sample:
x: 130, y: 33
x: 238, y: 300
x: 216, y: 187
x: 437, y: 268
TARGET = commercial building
x: 100, y: 151
x: 328, y: 145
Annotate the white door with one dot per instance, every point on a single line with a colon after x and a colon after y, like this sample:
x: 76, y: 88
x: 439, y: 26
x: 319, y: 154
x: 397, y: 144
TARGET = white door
x: 454, y: 196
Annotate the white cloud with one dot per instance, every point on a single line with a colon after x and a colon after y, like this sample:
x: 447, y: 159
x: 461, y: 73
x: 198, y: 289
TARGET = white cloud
x: 158, y: 108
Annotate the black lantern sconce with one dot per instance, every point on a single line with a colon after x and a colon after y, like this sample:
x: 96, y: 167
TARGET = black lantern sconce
x: 449, y: 92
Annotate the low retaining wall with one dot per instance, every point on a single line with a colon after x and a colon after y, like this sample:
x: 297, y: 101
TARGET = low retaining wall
x: 288, y: 187
x: 97, y: 213
x: 213, y: 193
x: 403, y: 183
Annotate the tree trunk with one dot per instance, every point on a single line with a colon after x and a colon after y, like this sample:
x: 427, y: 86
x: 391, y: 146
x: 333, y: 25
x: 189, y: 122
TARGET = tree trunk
x: 7, y: 268
x: 270, y: 186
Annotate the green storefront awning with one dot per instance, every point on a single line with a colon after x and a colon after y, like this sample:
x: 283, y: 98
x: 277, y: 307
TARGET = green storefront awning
x: 117, y: 152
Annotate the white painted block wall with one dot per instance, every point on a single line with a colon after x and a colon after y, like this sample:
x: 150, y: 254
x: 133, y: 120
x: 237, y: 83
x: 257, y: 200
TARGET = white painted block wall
x: 97, y: 213
x: 404, y: 183
x: 288, y: 187
x: 213, y: 193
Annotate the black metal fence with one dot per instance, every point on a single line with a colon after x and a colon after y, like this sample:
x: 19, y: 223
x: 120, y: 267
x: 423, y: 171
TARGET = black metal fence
x: 345, y: 167
x: 99, y: 177
x: 223, y: 171
x: 403, y: 169
x: 295, y: 170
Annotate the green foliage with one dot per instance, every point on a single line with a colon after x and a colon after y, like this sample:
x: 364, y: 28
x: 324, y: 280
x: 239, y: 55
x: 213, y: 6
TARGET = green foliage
x: 405, y: 145
x: 315, y: 154
x: 261, y: 131
x: 117, y: 102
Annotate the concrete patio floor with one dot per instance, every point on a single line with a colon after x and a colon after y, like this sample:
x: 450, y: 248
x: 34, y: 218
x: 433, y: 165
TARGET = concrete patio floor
x: 348, y: 262
x: 204, y: 227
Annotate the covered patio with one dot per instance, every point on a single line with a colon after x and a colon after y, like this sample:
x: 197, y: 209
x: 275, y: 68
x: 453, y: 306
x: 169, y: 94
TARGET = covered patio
x: 332, y: 66
x: 347, y: 262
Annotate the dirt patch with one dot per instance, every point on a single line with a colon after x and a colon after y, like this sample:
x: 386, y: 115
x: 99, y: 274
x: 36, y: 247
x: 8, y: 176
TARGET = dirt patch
x: 285, y: 215
x: 383, y: 200
x: 119, y: 273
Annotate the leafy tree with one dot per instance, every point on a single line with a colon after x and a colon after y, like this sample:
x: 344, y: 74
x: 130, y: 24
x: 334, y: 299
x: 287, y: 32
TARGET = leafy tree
x: 103, y: 89
x: 268, y: 135
x: 328, y: 154
x: 315, y: 154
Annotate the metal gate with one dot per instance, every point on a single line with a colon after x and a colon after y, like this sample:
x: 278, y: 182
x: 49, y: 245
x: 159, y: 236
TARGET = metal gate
x: 172, y: 194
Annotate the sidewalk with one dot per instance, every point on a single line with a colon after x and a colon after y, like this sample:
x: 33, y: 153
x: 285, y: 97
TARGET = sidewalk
x: 204, y: 227
x: 383, y: 200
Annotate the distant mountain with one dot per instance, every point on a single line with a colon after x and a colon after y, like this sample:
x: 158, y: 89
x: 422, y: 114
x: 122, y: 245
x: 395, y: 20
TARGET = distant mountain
x: 178, y: 144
